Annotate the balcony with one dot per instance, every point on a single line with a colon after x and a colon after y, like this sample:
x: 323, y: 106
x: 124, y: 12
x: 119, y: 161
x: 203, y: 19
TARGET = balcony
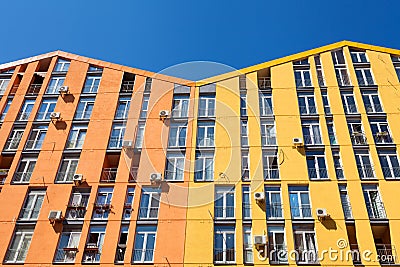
x: 264, y: 83
x: 391, y: 172
x: 318, y: 173
x: 376, y: 210
x: 3, y: 175
x: 179, y: 112
x: 308, y: 110
x: 65, y: 255
x: 224, y: 212
x: 91, y: 253
x: 127, y: 87
x: 383, y: 138
x: 301, y: 212
x: 366, y: 171
x: 82, y: 115
x: 271, y: 174
x: 75, y: 212
x: 224, y: 256
x: 143, y: 255
x: 53, y: 90
x: 14, y: 89
x: 274, y: 211
x: 34, y: 89
x: 312, y: 140
x: 358, y: 138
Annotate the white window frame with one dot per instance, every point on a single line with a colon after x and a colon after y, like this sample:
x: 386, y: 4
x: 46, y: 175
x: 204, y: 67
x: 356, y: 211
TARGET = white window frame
x: 177, y: 129
x: 273, y: 231
x: 3, y: 85
x: 124, y: 102
x: 62, y: 65
x: 145, y: 107
x: 45, y: 115
x: 389, y: 163
x: 100, y: 240
x: 31, y: 212
x: 26, y: 238
x: 5, y: 110
x: 117, y: 139
x: 245, y: 164
x: 222, y: 192
x: 207, y: 140
x: 347, y: 106
x: 314, y: 139
x: 345, y: 200
x: 303, y: 78
x: 204, y: 157
x: 103, y: 198
x: 140, y: 135
x: 75, y: 142
x: 303, y: 234
x: 14, y: 139
x: 209, y: 106
x: 371, y: 103
x: 268, y: 196
x: 23, y: 116
x: 130, y: 193
x: 246, y: 192
x: 268, y: 133
x: 180, y: 105
x: 90, y: 86
x: 267, y: 166
x: 300, y: 207
x: 177, y: 161
x: 379, y: 203
x: 361, y: 157
x: 307, y: 106
x: 318, y: 168
x: 243, y: 105
x: 153, y: 206
x: 335, y: 57
x: 340, y: 75
x: 58, y: 81
x: 265, y: 109
x: 77, y: 206
x: 224, y: 248
x: 244, y: 133
x: 320, y: 76
x: 85, y: 101
x: 146, y: 235
x: 25, y: 173
x: 364, y: 77
x: 247, y: 247
x: 36, y: 142
x: 357, y: 56
x: 68, y: 171
x: 73, y: 243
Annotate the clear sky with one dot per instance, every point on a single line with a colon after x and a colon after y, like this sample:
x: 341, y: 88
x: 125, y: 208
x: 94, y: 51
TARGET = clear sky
x: 156, y: 34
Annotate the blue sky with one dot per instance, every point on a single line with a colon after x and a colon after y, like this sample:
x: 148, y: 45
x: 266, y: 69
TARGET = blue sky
x: 154, y: 35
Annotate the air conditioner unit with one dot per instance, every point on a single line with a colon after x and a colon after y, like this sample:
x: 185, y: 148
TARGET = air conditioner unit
x: 297, y: 141
x: 321, y: 213
x: 155, y: 177
x: 55, y: 215
x: 127, y: 143
x: 260, y: 240
x: 63, y: 89
x: 77, y: 178
x: 164, y: 113
x: 259, y: 196
x: 55, y: 115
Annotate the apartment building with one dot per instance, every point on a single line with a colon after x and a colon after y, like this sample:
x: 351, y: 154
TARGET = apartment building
x: 275, y: 164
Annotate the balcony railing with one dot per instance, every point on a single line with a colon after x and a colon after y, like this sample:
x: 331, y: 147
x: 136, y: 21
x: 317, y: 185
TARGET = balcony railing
x: 387, y: 253
x: 14, y: 89
x: 278, y: 254
x: 91, y: 254
x: 367, y: 81
x: 120, y: 253
x: 366, y: 171
x: 143, y: 255
x: 373, y: 108
x: 264, y: 83
x: 224, y: 256
x: 127, y: 86
x: 358, y: 138
x: 64, y: 176
x: 303, y: 82
x: 376, y: 210
x: 318, y: 173
x: 65, y: 255
x: 34, y: 89
x: 75, y: 212
x: 3, y: 175
x: 383, y: 138
x: 391, y: 172
x: 206, y: 112
x: 16, y: 255
x: 274, y: 211
x: 12, y: 144
x: 148, y: 213
x: 312, y: 140
x: 227, y: 212
x: 300, y: 212
x: 22, y: 177
x: 310, y: 110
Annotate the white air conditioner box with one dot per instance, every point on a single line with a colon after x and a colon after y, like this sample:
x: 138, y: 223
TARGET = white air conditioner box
x: 259, y: 196
x: 260, y: 240
x: 155, y: 177
x: 55, y: 115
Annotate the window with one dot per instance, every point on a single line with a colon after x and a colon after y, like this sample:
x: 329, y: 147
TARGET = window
x: 245, y: 166
x: 24, y: 170
x: 46, y: 108
x: 338, y: 57
x: 78, y: 203
x: 299, y: 202
x: 130, y: 194
x: 62, y: 65
x: 364, y: 166
x: 91, y: 84
x: 381, y: 132
x: 349, y: 103
x: 36, y: 137
x: 331, y: 132
x: 204, y: 170
x: 26, y: 110
x: 320, y: 77
x: 224, y: 244
x: 397, y: 69
x: 149, y: 203
x: 243, y: 103
x: 266, y: 105
x: 95, y: 69
x: 372, y: 102
x: 177, y: 135
x: 357, y: 133
x: 373, y: 201
x: 139, y: 136
x: 76, y: 137
x: 145, y: 240
x: 94, y: 244
x: 325, y: 101
x: 338, y: 165
x: 207, y: 106
x: 342, y: 77
x: 277, y: 245
x: 311, y: 133
x: 390, y: 164
x: 301, y: 62
x: 303, y: 78
x: 19, y: 246
x: 244, y: 135
x: 14, y: 139
x: 317, y: 167
x: 270, y: 165
x: 102, y: 206
x: 3, y: 85
x: 124, y: 104
x: 67, y: 169
x: 32, y: 205
x: 145, y: 107
x: 246, y: 205
x: 317, y: 60
x: 358, y: 57
x: 305, y: 244
x: 224, y: 206
x: 205, y: 134
x: 55, y: 84
x: 247, y: 245
x: 364, y: 77
x: 273, y: 203
x: 5, y: 110
x: 175, y: 167
x: 307, y: 105
x: 344, y: 198
x: 117, y: 136
x: 268, y: 133
x: 122, y: 242
x: 68, y: 246
x: 85, y: 107
x: 149, y: 82
x: 180, y: 107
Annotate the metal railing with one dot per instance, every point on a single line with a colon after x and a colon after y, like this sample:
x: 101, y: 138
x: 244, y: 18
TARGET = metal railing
x: 74, y: 144
x: 274, y: 210
x: 303, y: 82
x: 224, y: 255
x: 358, y: 138
x: 376, y: 210
x: 42, y: 116
x: 277, y: 253
x: 33, y: 144
x: 373, y: 108
x: 34, y: 89
x: 91, y: 254
x: 224, y: 212
x: 312, y: 139
x: 264, y: 83
x: 143, y: 255
x: 22, y: 177
x: 127, y: 86
x: 148, y: 213
x: 367, y: 81
x: 75, y: 212
x: 65, y: 255
x: 271, y: 174
x: 108, y: 175
x: 318, y: 173
x: 299, y: 212
x: 268, y: 140
x: 308, y: 110
x: 383, y: 138
x: 391, y: 172
x: 206, y: 112
x: 366, y: 171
